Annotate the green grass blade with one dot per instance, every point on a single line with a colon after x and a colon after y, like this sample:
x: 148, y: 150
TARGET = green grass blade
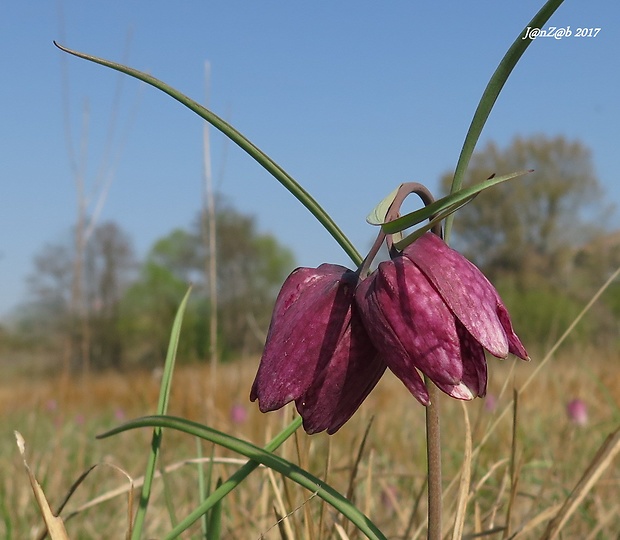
x: 204, y: 484
x: 215, y: 518
x: 449, y: 203
x: 284, y: 467
x: 490, y: 94
x: 402, y: 244
x: 234, y: 481
x: 263, y: 159
x: 162, y: 407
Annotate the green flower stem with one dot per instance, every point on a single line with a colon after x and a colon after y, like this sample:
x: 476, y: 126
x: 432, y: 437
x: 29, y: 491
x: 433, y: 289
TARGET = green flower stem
x: 491, y: 92
x: 284, y: 467
x: 263, y: 159
x: 433, y: 456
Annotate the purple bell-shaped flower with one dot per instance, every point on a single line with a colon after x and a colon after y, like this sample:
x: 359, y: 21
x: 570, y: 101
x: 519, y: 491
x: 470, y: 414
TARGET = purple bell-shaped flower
x: 430, y: 310
x: 317, y: 352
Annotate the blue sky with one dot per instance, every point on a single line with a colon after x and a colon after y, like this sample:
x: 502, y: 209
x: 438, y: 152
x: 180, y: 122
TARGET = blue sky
x: 350, y: 97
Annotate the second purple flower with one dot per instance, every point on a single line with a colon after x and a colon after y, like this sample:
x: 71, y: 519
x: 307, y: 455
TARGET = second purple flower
x: 430, y: 310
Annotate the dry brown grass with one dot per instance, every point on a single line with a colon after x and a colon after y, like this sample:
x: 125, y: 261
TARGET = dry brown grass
x: 60, y: 417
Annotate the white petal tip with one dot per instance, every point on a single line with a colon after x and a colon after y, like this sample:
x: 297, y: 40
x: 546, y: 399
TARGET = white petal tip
x: 461, y: 391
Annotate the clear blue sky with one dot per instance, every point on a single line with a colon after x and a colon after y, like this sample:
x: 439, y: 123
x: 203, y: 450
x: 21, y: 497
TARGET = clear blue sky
x: 350, y: 97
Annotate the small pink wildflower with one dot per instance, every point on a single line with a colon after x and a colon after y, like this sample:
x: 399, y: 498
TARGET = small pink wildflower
x: 490, y: 403
x: 238, y: 414
x: 577, y: 412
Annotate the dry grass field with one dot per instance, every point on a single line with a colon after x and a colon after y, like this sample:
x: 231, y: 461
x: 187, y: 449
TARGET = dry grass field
x: 517, y: 483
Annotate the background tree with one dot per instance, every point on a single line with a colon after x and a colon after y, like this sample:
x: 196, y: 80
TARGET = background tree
x: 526, y: 225
x: 251, y: 267
x: 541, y: 237
x: 46, y: 315
x: 106, y: 273
x: 150, y: 303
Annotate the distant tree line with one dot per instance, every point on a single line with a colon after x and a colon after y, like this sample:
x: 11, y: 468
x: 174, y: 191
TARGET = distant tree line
x: 542, y: 239
x: 129, y: 305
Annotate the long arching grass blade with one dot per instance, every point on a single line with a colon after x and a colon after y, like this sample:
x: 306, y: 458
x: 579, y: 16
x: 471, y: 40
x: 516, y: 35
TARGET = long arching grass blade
x: 234, y: 480
x: 263, y: 159
x: 284, y: 467
x: 490, y: 94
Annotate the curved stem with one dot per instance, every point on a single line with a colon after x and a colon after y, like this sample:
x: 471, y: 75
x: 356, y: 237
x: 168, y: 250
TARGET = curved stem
x: 364, y: 268
x: 394, y: 211
x: 433, y: 429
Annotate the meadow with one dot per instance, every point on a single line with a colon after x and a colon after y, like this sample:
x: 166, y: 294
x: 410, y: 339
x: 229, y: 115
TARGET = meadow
x: 525, y: 460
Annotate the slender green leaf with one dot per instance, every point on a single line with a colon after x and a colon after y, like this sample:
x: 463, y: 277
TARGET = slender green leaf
x: 234, y: 481
x: 490, y: 95
x: 288, y: 469
x: 215, y: 518
x: 162, y: 407
x: 449, y: 202
x: 401, y: 244
x: 263, y: 159
x: 204, y: 484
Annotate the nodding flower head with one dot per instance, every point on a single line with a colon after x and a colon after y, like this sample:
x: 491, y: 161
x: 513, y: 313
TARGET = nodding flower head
x: 317, y: 352
x: 430, y: 310
x: 427, y: 311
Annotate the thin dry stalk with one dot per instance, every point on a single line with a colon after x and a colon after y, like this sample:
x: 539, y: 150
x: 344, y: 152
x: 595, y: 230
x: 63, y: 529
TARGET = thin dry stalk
x: 322, y: 503
x: 341, y: 532
x: 603, y: 458
x: 461, y: 506
x: 355, y: 469
x: 279, y: 508
x: 514, y: 468
x: 210, y: 240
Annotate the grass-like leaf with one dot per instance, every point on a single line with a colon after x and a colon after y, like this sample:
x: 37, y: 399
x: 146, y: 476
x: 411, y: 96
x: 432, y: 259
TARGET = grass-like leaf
x: 490, y: 94
x: 284, y: 467
x: 449, y: 203
x: 214, y: 530
x: 263, y: 159
x: 162, y: 407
